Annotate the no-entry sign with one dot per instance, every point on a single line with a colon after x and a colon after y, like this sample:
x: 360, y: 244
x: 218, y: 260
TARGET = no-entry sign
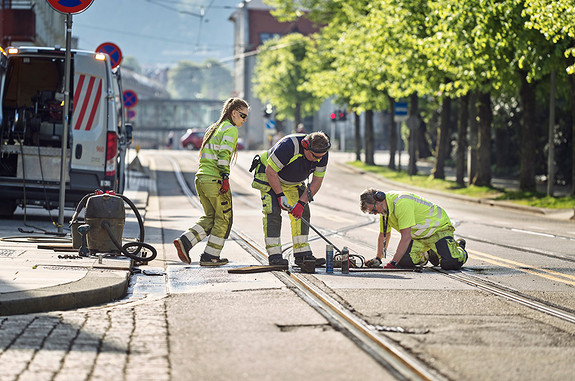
x: 70, y: 6
x: 113, y: 51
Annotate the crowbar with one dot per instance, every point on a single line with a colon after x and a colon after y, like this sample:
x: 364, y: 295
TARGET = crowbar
x: 321, y: 235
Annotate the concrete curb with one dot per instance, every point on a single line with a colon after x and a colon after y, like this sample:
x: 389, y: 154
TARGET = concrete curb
x: 97, y: 287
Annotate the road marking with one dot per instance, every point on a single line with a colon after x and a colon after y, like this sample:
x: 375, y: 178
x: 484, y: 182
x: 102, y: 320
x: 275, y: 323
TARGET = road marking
x: 544, y: 273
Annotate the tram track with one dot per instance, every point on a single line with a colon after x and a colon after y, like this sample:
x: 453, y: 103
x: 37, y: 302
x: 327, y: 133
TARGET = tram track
x: 389, y: 355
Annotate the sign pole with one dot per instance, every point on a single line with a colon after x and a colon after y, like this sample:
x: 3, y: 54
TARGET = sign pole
x: 66, y: 115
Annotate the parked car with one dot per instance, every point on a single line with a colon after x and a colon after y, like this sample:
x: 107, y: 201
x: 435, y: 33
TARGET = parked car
x: 192, y: 139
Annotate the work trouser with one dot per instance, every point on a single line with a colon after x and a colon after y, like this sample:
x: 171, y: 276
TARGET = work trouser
x: 272, y: 222
x: 442, y: 243
x: 218, y: 217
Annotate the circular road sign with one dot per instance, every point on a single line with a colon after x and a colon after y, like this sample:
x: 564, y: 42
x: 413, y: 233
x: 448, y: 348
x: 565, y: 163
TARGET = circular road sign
x: 113, y: 51
x: 130, y: 98
x: 70, y: 6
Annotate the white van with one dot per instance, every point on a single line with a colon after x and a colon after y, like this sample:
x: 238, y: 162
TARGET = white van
x: 32, y: 94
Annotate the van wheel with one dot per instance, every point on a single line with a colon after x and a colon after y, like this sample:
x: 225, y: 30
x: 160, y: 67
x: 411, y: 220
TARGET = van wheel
x: 7, y: 208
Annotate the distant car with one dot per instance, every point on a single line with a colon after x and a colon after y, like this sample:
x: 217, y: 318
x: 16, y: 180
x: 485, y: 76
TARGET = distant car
x: 192, y: 139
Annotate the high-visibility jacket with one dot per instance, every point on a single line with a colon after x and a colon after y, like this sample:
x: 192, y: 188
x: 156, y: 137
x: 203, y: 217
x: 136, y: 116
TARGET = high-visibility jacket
x: 216, y: 155
x: 410, y: 210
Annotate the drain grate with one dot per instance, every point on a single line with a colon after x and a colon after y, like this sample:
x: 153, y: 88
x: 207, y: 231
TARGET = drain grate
x: 7, y: 252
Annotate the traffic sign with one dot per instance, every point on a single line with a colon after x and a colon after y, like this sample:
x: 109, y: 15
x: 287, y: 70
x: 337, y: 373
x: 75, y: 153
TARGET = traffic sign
x: 400, y: 111
x: 70, y: 6
x: 131, y: 114
x: 271, y: 124
x: 130, y: 98
x: 113, y: 51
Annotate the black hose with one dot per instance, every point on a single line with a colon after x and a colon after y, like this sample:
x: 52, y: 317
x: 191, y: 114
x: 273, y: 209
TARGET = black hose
x: 124, y: 249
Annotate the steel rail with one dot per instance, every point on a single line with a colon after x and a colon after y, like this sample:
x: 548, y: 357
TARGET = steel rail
x: 389, y: 355
x: 512, y: 295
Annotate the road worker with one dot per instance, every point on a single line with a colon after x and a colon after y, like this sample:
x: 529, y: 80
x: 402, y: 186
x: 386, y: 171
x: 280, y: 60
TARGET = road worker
x: 425, y: 228
x: 280, y: 175
x: 219, y: 147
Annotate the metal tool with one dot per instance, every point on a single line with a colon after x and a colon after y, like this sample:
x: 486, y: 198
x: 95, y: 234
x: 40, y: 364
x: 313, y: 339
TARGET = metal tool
x: 321, y: 235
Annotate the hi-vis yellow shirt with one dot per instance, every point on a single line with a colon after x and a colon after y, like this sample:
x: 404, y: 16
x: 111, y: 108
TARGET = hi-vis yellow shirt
x: 217, y: 153
x: 410, y: 210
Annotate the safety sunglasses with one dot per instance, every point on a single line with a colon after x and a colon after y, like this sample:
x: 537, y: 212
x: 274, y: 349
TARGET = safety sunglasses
x: 244, y: 116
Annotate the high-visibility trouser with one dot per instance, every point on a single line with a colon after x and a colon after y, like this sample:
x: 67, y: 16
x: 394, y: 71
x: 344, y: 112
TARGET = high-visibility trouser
x: 451, y: 256
x: 218, y: 217
x: 272, y: 222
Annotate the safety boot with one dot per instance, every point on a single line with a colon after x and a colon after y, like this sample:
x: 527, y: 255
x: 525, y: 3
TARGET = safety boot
x: 183, y: 246
x: 212, y: 260
x: 277, y: 260
x: 461, y: 242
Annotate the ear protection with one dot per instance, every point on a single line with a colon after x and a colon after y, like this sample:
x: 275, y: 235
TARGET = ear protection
x: 379, y: 196
x: 305, y: 143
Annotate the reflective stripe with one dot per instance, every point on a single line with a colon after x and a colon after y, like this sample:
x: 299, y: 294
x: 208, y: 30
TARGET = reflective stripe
x: 199, y: 230
x: 273, y: 241
x: 216, y: 240
x: 224, y: 162
x: 419, y: 230
x: 299, y: 239
x: 209, y: 156
x: 227, y: 138
x: 212, y: 251
x: 274, y: 250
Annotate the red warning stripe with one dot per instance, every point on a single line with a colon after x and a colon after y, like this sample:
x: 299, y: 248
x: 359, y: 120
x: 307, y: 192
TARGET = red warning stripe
x: 86, y: 101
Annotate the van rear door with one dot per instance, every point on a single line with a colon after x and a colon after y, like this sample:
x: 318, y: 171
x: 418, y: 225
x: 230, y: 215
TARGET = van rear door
x: 92, y: 143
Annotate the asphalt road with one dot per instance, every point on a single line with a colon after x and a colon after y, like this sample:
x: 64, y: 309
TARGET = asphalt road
x: 508, y: 315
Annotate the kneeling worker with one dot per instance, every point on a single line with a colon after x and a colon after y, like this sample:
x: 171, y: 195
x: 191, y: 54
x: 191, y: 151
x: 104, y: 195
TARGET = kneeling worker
x: 425, y: 228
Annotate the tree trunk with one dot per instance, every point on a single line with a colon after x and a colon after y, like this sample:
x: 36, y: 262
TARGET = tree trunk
x: 572, y: 97
x: 473, y: 138
x: 528, y: 137
x: 369, y: 138
x: 297, y: 116
x: 357, y: 125
x: 423, y: 150
x: 442, y: 148
x: 392, y: 133
x: 461, y: 140
x: 413, y: 124
x: 485, y: 115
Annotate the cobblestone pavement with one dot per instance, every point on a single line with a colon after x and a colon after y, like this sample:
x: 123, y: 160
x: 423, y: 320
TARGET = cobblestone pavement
x: 119, y: 342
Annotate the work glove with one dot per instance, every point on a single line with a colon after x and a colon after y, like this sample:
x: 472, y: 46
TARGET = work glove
x: 283, y: 201
x: 375, y: 262
x: 297, y: 210
x: 225, y: 184
x: 390, y: 265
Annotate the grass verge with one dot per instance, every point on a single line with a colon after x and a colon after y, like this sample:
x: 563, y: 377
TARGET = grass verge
x: 535, y: 199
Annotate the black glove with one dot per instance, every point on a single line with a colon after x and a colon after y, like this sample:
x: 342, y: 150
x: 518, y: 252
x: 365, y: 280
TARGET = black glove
x: 375, y: 262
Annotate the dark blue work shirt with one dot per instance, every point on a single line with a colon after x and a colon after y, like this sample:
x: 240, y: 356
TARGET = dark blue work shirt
x: 288, y: 160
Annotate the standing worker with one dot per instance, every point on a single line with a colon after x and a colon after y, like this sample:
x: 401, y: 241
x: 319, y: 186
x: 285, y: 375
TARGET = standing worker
x: 426, y: 231
x: 213, y: 186
x: 280, y: 176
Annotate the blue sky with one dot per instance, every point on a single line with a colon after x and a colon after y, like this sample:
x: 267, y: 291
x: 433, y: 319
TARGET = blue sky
x: 159, y: 32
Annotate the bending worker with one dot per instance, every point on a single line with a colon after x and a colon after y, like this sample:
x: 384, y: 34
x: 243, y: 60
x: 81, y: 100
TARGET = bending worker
x: 280, y: 175
x: 426, y: 231
x: 213, y: 186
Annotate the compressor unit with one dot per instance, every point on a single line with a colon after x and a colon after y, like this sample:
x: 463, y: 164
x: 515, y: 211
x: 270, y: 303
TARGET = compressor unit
x: 102, y: 230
